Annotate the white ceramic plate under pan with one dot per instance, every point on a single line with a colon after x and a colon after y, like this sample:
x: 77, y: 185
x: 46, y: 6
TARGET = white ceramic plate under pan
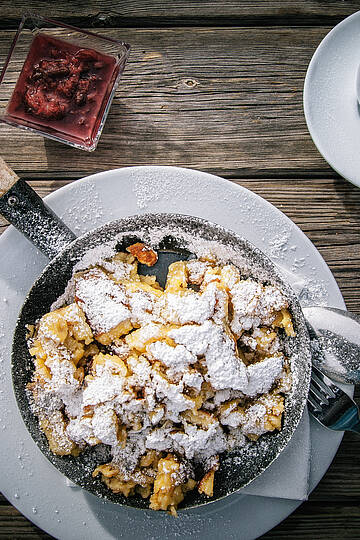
x: 27, y: 479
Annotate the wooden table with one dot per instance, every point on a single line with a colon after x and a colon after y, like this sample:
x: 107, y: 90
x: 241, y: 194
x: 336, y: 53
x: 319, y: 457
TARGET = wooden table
x: 217, y: 86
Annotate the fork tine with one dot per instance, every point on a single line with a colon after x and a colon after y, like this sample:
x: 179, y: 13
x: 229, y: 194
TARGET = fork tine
x: 314, y: 404
x: 331, y: 406
x: 318, y: 395
x: 318, y: 399
x: 323, y: 387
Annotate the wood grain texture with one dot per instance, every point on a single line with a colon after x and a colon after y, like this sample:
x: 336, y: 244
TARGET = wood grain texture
x: 217, y: 86
x: 7, y: 177
x: 183, y: 12
x: 223, y: 100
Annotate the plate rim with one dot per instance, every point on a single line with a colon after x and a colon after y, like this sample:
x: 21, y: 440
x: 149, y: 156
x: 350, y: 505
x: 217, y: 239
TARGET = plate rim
x: 307, y: 91
x: 287, y: 506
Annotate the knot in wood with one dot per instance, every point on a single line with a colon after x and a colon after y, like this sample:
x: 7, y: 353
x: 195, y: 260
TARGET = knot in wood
x: 191, y: 83
x: 103, y: 18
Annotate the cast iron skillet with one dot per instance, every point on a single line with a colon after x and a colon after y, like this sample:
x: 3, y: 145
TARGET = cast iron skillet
x: 20, y: 205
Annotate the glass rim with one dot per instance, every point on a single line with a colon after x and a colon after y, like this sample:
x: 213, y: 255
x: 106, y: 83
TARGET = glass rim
x: 32, y: 15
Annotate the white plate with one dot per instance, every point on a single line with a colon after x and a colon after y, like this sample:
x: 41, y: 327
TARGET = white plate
x: 330, y: 104
x: 27, y: 479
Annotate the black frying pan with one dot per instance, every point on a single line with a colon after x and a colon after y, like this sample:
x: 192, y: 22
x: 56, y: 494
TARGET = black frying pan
x: 24, y: 209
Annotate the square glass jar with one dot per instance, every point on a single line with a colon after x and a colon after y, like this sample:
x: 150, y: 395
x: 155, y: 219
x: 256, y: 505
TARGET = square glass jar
x: 59, y: 81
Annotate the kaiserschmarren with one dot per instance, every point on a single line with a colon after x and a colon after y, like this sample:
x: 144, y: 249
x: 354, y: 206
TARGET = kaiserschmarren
x: 169, y: 378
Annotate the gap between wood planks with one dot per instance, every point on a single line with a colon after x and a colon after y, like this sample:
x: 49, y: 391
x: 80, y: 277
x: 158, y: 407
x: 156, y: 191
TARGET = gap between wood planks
x: 187, y: 13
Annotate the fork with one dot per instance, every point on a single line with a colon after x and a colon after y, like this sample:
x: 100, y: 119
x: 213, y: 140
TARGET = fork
x: 330, y: 406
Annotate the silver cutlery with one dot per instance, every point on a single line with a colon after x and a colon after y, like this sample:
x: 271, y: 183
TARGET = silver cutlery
x: 331, y: 406
x: 335, y: 337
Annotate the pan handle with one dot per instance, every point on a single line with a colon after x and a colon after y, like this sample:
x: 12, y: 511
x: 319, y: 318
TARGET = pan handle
x: 24, y: 209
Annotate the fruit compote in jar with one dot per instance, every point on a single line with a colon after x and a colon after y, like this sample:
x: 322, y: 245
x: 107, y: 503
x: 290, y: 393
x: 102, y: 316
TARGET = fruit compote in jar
x: 63, y: 89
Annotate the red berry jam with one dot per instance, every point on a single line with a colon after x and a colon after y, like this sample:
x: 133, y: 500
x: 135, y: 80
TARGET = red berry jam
x: 63, y: 89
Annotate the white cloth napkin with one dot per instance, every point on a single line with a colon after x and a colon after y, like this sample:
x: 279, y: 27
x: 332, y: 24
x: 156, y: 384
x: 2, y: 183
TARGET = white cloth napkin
x: 288, y: 476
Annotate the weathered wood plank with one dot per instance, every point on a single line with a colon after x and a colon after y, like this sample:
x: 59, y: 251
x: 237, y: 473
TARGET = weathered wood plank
x: 184, y: 12
x: 196, y: 98
x: 323, y: 521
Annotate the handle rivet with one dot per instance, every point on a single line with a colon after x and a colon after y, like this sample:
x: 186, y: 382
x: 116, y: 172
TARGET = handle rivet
x: 12, y: 200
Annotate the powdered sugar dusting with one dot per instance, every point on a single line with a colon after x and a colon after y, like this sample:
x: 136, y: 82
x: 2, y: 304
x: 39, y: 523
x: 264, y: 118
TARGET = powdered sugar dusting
x: 86, y: 196
x: 107, y: 303
x: 179, y: 371
x: 279, y: 244
x: 315, y: 292
x: 102, y: 301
